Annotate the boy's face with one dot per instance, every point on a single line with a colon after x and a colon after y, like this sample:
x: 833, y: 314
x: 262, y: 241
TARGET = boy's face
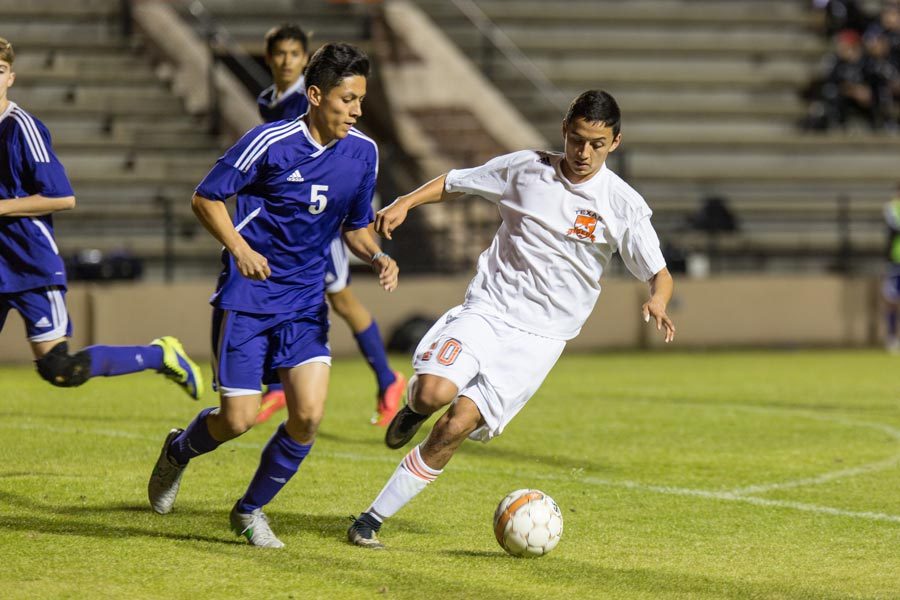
x: 338, y: 110
x: 286, y: 61
x: 7, y: 77
x: 587, y: 146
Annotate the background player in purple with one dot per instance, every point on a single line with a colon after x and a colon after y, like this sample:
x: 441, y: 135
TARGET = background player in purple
x: 287, y: 49
x: 299, y: 184
x: 33, y: 185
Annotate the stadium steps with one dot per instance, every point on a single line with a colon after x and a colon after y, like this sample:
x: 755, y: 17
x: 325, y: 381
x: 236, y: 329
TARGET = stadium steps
x: 123, y: 135
x: 709, y: 95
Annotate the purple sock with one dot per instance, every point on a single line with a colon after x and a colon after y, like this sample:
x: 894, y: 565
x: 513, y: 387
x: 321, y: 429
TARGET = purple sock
x: 280, y: 460
x: 109, y: 361
x: 892, y: 323
x: 371, y: 346
x: 194, y: 440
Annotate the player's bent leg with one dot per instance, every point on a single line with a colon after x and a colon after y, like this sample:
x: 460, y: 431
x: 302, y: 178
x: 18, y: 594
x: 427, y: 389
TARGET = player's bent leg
x: 236, y: 416
x: 420, y: 467
x: 350, y: 309
x: 368, y: 338
x: 425, y: 394
x: 449, y: 431
x: 210, y: 428
x: 306, y: 387
x: 55, y: 365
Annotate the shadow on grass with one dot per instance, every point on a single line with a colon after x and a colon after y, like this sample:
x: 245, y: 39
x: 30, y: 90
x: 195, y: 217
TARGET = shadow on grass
x: 102, y: 527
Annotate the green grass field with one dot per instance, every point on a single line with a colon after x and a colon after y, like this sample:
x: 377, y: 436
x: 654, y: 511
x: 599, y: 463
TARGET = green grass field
x: 680, y: 475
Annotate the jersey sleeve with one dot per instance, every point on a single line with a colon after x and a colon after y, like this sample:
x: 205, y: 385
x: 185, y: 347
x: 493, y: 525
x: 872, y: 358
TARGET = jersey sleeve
x: 237, y: 168
x: 640, y: 248
x: 488, y: 181
x: 43, y: 173
x: 361, y: 214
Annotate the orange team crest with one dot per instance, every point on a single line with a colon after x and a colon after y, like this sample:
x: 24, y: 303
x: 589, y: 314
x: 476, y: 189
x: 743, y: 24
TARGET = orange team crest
x: 585, y: 225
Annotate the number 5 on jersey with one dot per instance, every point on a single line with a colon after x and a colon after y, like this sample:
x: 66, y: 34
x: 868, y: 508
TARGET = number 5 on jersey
x: 317, y: 200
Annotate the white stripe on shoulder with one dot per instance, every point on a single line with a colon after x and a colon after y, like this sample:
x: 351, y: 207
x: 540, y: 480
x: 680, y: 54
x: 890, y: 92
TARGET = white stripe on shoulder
x: 357, y: 133
x: 261, y: 143
x: 32, y: 135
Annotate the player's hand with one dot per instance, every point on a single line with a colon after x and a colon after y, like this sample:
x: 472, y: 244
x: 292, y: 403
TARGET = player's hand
x: 388, y: 272
x: 252, y: 264
x: 657, y: 310
x: 390, y: 218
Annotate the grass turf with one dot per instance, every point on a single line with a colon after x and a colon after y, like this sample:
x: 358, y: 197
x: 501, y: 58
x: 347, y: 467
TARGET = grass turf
x: 730, y: 475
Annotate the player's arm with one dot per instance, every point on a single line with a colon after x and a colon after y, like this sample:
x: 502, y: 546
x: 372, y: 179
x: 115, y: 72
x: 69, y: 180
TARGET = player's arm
x: 34, y: 205
x: 392, y: 216
x: 215, y: 218
x: 363, y: 245
x: 661, y: 288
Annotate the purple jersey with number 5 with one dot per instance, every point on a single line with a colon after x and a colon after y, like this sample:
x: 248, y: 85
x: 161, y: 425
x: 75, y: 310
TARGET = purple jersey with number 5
x: 294, y: 196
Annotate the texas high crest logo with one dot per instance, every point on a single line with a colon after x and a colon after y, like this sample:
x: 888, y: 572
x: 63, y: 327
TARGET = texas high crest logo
x: 585, y: 224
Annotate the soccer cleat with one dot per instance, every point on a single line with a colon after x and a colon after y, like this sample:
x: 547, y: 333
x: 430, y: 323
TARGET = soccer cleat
x: 272, y: 402
x: 403, y: 427
x: 389, y: 401
x: 179, y: 367
x: 362, y: 533
x: 255, y: 527
x: 165, y: 479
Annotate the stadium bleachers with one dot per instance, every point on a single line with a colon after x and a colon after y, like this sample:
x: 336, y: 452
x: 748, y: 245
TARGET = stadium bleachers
x: 708, y: 91
x: 710, y: 107
x: 126, y: 141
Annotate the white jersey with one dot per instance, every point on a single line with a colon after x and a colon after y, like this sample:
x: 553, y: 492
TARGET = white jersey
x: 542, y: 271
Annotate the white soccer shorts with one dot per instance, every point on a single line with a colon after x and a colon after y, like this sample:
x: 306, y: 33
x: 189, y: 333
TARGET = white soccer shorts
x: 495, y: 364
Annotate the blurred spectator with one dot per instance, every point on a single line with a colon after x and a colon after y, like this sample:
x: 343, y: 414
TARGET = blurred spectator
x: 839, y: 15
x: 860, y: 78
x: 884, y: 78
x: 843, y: 88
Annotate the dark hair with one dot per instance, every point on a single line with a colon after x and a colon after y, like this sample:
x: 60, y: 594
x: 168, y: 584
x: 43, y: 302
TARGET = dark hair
x: 596, y: 106
x: 6, y: 51
x: 287, y: 31
x: 332, y: 63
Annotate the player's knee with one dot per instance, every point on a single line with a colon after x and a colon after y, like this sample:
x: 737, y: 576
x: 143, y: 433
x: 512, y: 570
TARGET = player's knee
x: 432, y: 393
x: 236, y: 423
x: 62, y: 369
x: 303, y: 429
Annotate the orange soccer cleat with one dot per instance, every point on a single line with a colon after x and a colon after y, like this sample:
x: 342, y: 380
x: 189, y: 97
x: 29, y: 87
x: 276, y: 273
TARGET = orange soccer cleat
x: 389, y: 401
x: 272, y: 402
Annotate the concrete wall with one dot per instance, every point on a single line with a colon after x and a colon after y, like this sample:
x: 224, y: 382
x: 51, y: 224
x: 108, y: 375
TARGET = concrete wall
x: 719, y: 312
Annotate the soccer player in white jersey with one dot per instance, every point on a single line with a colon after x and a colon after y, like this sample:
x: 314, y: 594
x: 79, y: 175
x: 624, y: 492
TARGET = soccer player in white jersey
x: 563, y: 217
x: 298, y: 184
x: 33, y: 186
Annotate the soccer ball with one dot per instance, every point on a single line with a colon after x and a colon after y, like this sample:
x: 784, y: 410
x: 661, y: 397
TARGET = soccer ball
x: 528, y: 523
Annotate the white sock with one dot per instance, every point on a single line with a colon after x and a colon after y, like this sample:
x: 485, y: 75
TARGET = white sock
x: 410, y: 478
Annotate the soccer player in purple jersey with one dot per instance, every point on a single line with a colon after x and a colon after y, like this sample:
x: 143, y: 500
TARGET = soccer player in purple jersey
x: 286, y: 56
x: 299, y: 183
x: 33, y: 186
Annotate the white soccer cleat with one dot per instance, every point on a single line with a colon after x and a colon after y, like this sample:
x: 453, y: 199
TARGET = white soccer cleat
x: 165, y: 479
x: 255, y: 527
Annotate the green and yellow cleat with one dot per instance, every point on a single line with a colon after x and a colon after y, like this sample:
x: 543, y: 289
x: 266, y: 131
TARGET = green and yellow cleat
x: 179, y: 367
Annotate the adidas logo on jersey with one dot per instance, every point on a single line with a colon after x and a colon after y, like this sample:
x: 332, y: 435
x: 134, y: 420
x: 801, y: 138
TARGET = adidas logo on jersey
x: 43, y: 322
x: 296, y: 177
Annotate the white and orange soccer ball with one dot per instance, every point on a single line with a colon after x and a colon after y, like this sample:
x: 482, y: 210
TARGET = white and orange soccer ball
x: 528, y: 523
